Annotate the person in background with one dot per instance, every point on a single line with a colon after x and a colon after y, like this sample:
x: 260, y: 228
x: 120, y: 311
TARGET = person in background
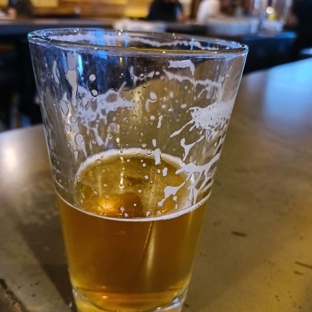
x: 300, y: 20
x: 211, y: 8
x: 27, y: 105
x: 20, y: 8
x: 165, y: 10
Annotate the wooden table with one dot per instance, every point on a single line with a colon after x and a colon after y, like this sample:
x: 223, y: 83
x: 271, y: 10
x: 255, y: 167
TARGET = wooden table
x: 255, y: 252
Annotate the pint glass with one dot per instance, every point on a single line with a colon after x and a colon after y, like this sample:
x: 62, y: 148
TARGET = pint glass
x: 134, y: 124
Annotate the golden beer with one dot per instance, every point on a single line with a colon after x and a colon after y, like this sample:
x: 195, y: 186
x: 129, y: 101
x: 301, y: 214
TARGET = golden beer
x: 129, y: 246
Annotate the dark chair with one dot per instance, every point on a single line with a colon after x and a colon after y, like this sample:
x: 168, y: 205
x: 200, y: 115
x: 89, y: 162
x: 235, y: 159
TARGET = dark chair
x: 9, y: 83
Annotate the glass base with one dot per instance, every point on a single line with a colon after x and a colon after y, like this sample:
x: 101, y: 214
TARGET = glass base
x: 83, y: 305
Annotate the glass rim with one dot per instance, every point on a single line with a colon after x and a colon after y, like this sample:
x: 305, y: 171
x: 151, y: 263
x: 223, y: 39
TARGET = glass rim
x: 46, y: 37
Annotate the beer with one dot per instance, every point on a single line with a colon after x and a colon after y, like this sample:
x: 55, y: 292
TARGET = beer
x: 130, y: 246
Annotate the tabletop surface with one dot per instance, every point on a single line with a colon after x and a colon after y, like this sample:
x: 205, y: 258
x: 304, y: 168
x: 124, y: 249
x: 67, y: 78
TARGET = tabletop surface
x: 255, y: 250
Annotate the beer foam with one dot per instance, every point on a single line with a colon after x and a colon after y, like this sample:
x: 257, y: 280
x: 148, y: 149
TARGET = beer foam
x: 84, y: 107
x: 182, y: 64
x: 176, y: 162
x: 208, y: 119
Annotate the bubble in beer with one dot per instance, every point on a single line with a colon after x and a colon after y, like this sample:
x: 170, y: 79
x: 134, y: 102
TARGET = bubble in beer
x: 64, y: 108
x: 113, y: 128
x: 164, y: 173
x: 85, y: 101
x: 153, y: 96
x: 146, y: 177
x: 139, y: 191
x: 144, y: 165
x: 148, y: 152
x: 68, y: 128
x: 81, y: 201
x: 92, y: 77
x: 94, y: 92
x: 79, y: 139
x: 76, y: 155
x: 73, y: 119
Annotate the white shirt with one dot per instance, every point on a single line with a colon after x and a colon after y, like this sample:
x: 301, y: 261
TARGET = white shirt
x: 206, y: 9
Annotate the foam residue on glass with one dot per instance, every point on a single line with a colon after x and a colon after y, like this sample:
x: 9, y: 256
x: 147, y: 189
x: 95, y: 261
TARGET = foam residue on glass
x: 96, y: 122
x: 124, y: 39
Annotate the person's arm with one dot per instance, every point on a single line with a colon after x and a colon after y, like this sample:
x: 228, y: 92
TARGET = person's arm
x: 180, y: 14
x: 201, y: 14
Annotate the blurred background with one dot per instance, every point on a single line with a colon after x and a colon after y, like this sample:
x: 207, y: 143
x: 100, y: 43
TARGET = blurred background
x: 276, y: 31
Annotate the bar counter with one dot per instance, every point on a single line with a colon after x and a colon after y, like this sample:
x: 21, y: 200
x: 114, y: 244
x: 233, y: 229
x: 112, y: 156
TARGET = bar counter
x: 255, y: 252
x: 21, y: 27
